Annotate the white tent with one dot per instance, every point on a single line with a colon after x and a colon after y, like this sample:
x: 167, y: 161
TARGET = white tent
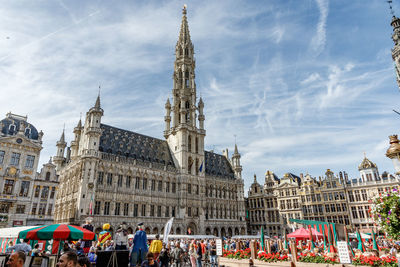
x: 13, y: 232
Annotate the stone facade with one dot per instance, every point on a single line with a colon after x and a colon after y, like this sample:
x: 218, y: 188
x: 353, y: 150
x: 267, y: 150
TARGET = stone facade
x: 334, y: 198
x: 117, y: 176
x: 20, y: 146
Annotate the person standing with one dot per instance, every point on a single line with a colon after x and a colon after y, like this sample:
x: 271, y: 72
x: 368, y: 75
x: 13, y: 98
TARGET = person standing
x: 177, y: 254
x: 199, y: 254
x: 213, y: 254
x: 121, y: 237
x: 192, y: 254
x: 139, y: 249
x: 164, y: 256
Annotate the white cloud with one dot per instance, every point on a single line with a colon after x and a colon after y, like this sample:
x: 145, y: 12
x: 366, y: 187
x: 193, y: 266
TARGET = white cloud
x: 319, y: 40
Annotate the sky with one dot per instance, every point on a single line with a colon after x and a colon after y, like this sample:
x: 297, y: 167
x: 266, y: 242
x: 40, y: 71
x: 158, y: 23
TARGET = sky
x: 300, y: 86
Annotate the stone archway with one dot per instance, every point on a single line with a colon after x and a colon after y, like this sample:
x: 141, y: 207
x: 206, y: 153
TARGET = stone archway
x: 236, y: 231
x: 191, y: 229
x: 208, y: 231
x: 147, y: 230
x: 130, y: 230
x: 242, y: 231
x: 215, y: 231
x: 223, y: 233
x: 229, y: 232
x: 178, y: 231
x: 155, y: 230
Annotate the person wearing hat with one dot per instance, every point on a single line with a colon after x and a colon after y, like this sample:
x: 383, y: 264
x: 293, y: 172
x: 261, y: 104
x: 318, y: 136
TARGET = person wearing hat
x: 121, y: 237
x: 139, y: 249
x: 105, y: 234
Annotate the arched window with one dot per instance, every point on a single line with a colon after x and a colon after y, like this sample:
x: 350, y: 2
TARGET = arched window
x: 197, y: 145
x: 190, y: 143
x: 187, y: 78
x: 181, y: 51
x: 187, y: 104
x: 186, y: 52
x: 47, y: 176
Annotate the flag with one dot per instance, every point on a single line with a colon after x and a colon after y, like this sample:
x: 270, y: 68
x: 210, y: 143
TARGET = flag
x: 374, y: 244
x: 201, y: 167
x: 262, y: 240
x: 312, y: 245
x: 360, y: 242
x: 286, y: 245
x: 167, y: 229
x: 91, y: 206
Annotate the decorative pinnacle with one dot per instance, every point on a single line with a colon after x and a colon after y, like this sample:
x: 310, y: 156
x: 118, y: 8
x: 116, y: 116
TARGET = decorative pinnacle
x: 184, y: 10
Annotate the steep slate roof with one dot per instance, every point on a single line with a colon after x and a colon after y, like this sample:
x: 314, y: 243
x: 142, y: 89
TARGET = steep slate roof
x: 133, y: 145
x: 218, y: 165
x: 5, y: 130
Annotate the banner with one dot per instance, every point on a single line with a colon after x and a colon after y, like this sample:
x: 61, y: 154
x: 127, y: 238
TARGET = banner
x: 167, y: 229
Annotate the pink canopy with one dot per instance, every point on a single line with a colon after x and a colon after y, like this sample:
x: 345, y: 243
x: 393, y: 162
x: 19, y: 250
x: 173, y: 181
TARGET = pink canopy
x: 303, y: 233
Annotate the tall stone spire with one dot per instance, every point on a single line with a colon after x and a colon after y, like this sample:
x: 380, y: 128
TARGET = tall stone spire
x: 97, y: 104
x: 184, y: 86
x: 184, y: 118
x: 184, y: 35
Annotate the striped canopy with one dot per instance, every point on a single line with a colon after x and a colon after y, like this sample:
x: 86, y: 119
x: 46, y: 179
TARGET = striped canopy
x: 57, y: 232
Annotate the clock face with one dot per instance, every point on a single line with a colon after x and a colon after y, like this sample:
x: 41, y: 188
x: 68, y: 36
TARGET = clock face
x: 19, y: 140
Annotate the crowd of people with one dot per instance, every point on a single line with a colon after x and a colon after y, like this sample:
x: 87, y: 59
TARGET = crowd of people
x: 139, y: 251
x: 142, y: 252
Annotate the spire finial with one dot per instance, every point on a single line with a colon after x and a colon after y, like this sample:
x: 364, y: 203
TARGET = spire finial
x: 365, y: 155
x: 184, y: 10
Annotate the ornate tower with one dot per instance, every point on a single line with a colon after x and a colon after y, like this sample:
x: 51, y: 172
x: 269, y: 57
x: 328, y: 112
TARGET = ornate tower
x: 184, y: 138
x: 396, y: 49
x: 59, y: 158
x: 236, y: 163
x: 75, y: 142
x: 89, y: 143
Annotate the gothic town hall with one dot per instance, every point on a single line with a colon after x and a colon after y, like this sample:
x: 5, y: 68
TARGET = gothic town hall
x: 117, y: 175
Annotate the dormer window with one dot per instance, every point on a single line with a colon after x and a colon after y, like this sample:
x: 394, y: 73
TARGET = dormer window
x: 11, y: 129
x: 28, y: 132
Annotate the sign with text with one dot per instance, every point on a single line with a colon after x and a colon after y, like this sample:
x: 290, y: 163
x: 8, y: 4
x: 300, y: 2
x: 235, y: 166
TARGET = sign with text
x: 218, y: 242
x: 344, y: 253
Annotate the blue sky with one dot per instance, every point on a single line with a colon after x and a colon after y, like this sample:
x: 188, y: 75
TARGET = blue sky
x: 304, y: 85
